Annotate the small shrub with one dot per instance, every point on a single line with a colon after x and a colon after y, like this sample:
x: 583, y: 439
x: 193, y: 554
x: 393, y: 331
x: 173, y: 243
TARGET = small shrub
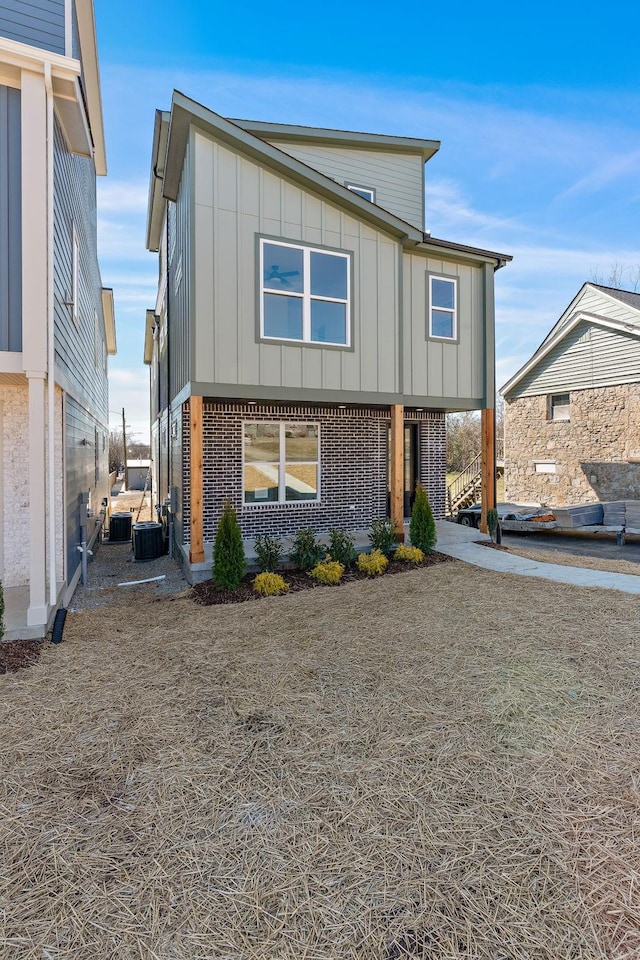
x: 270, y: 584
x: 229, y: 562
x: 327, y: 571
x: 383, y: 536
x: 306, y: 551
x: 408, y: 554
x: 422, y: 529
x: 268, y: 552
x: 373, y: 564
x: 342, y: 548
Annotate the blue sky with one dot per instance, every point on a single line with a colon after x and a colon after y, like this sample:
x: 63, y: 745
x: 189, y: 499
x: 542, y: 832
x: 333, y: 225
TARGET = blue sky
x: 537, y: 114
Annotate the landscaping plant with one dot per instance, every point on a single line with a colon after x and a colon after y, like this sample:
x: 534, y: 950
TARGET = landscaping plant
x: 373, y: 564
x: 383, y: 536
x: 306, y: 550
x: 229, y: 561
x: 342, y: 548
x: 408, y: 554
x: 422, y: 529
x: 328, y: 571
x: 268, y: 552
x: 269, y: 584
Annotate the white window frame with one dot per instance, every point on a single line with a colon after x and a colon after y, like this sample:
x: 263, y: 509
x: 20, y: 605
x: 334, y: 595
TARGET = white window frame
x: 453, y: 312
x: 357, y: 189
x: 75, y: 285
x: 306, y: 296
x: 551, y: 410
x: 281, y: 501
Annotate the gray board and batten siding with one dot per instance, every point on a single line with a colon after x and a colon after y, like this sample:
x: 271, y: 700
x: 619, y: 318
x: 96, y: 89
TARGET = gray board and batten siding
x: 235, y: 200
x: 589, y: 356
x: 10, y: 221
x: 75, y: 345
x: 224, y: 202
x: 39, y: 23
x: 398, y: 179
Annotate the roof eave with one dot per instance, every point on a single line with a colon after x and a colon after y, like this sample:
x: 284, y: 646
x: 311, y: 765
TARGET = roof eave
x: 148, y: 336
x: 91, y: 70
x: 156, y: 203
x: 474, y: 253
x: 108, y: 312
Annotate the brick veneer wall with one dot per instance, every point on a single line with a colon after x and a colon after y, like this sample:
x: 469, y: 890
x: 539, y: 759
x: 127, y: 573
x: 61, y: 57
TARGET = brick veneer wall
x: 591, y: 451
x: 353, y: 455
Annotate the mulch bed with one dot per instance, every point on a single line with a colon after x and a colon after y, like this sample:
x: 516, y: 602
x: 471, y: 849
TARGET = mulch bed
x: 209, y: 595
x: 15, y: 654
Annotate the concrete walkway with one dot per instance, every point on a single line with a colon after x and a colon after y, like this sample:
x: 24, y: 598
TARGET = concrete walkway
x: 462, y: 543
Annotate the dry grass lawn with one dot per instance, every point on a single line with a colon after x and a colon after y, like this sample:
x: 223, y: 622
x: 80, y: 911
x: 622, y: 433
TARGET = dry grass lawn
x: 566, y: 560
x: 438, y: 765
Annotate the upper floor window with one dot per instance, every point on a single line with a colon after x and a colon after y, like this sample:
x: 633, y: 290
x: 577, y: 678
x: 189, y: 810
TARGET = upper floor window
x: 559, y: 406
x: 367, y: 192
x: 281, y: 462
x: 443, y: 308
x: 305, y: 293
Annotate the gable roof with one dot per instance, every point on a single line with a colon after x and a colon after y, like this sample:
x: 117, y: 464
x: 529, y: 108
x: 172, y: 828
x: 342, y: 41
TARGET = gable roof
x: 167, y: 162
x: 571, y: 318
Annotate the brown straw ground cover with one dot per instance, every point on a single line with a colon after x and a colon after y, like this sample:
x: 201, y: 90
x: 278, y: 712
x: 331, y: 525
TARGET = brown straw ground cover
x: 437, y: 765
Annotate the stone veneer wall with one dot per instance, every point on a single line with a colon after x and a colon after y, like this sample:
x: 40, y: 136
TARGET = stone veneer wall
x: 592, y: 451
x: 353, y: 454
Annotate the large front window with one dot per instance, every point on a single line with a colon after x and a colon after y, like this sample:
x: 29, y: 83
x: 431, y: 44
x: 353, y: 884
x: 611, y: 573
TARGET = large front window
x: 305, y: 294
x: 281, y: 462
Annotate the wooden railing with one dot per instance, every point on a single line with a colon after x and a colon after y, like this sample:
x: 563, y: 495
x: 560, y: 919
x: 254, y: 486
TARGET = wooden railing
x: 464, y: 488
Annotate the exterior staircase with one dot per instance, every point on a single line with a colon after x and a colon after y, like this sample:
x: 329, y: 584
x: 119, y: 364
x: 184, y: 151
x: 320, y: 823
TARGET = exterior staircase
x: 465, y: 488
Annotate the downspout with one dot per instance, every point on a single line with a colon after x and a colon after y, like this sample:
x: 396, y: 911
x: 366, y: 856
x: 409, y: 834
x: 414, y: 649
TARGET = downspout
x: 51, y: 433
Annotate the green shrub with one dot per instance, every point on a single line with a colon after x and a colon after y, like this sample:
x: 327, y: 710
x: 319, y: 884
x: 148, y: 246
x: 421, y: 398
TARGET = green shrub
x: 422, y: 529
x: 408, y: 554
x: 383, y: 536
x: 327, y: 571
x: 268, y: 552
x: 306, y: 550
x: 270, y: 584
x: 229, y: 562
x: 342, y: 548
x: 1, y: 611
x: 373, y: 564
x: 492, y: 522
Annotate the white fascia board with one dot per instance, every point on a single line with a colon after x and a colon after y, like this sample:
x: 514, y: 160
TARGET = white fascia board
x: 71, y: 113
x: 549, y: 344
x: 616, y: 300
x: 108, y: 311
x: 26, y: 57
x: 89, y: 47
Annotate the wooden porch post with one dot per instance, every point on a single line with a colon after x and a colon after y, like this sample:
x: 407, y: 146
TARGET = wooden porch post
x: 196, y: 552
x: 396, y: 479
x: 488, y: 477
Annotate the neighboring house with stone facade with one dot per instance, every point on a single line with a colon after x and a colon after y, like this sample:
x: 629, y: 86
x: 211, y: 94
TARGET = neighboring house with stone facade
x: 308, y: 337
x: 572, y: 412
x: 56, y: 321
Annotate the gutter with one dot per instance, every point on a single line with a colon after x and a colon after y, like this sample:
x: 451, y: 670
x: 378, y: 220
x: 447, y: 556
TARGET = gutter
x: 51, y: 436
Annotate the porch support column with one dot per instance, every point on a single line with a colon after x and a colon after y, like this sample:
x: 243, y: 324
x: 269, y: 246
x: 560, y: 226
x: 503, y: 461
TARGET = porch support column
x: 396, y: 478
x: 488, y: 477
x: 38, y: 611
x: 196, y: 552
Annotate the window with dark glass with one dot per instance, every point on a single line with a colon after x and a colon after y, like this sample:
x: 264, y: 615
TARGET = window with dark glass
x: 443, y: 320
x: 560, y: 406
x: 305, y: 294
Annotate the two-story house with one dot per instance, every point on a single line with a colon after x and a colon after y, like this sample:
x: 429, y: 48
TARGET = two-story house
x: 56, y: 320
x: 572, y: 411
x: 308, y: 337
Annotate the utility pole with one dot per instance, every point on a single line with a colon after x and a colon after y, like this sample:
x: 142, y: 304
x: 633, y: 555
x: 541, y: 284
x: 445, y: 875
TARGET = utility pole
x: 124, y: 449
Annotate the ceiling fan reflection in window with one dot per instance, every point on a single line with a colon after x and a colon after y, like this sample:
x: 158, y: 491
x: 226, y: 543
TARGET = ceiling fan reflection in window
x: 281, y: 277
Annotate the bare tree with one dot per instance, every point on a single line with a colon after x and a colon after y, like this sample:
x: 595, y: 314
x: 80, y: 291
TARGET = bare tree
x: 620, y: 277
x: 116, y: 451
